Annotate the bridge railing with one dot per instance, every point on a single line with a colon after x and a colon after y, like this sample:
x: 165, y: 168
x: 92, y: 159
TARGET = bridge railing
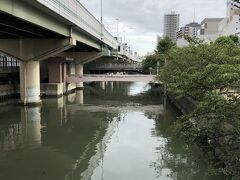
x: 111, y: 77
x: 76, y: 13
x: 115, y: 66
x: 118, y: 76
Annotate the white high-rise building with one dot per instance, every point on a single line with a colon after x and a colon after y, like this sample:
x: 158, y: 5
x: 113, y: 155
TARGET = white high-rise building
x: 233, y: 7
x: 231, y: 25
x: 212, y: 28
x: 171, y: 25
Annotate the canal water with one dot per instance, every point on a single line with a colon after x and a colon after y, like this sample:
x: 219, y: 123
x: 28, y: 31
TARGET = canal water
x: 109, y: 131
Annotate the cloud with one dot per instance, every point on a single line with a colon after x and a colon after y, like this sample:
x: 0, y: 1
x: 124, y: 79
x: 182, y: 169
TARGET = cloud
x: 143, y: 19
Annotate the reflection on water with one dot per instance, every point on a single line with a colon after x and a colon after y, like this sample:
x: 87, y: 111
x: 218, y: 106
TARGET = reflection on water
x: 109, y: 131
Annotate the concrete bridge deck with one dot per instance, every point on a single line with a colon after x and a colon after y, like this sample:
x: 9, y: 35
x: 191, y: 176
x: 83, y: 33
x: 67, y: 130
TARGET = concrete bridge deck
x: 113, y: 78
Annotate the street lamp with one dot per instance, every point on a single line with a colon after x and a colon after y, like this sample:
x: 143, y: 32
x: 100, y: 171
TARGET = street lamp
x: 101, y: 12
x: 117, y: 29
x: 158, y: 66
x: 150, y: 70
x: 101, y: 20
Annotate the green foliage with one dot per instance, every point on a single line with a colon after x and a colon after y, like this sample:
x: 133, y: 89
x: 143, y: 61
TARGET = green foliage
x: 227, y: 41
x: 197, y: 70
x: 235, y: 39
x: 150, y: 62
x: 193, y: 41
x: 163, y: 47
x: 210, y: 75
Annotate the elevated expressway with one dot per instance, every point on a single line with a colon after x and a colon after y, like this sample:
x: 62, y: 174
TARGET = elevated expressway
x: 53, y: 30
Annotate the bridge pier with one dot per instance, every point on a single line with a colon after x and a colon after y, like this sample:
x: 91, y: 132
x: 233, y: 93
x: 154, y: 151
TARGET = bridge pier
x: 79, y: 73
x: 30, y: 51
x: 57, y: 74
x: 56, y: 71
x: 30, y: 82
x: 103, y: 85
x: 79, y: 97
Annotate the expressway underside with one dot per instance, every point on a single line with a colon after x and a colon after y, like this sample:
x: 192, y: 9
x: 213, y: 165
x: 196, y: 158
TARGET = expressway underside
x: 15, y: 28
x: 31, y: 44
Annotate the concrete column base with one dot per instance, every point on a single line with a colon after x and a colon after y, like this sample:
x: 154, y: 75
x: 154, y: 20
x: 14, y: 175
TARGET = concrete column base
x: 30, y: 83
x: 79, y: 72
x: 79, y: 97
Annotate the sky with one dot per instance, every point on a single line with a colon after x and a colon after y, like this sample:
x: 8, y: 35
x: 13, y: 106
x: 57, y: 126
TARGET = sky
x: 142, y: 20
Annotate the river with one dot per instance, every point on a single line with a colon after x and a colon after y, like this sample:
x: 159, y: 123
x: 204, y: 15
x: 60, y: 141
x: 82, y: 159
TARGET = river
x: 109, y: 131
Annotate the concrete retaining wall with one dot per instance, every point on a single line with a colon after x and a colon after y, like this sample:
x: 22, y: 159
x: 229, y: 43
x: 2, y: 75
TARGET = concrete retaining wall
x: 184, y: 104
x: 8, y: 91
x: 49, y: 89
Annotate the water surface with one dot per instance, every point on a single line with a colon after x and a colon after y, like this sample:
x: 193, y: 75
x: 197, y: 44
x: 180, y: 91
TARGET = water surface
x: 109, y: 131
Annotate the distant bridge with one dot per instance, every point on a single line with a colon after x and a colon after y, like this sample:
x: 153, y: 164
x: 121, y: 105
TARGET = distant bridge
x: 112, y: 78
x: 115, y: 67
x: 116, y: 64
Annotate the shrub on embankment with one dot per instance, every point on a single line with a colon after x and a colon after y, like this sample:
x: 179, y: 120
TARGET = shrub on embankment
x: 210, y: 75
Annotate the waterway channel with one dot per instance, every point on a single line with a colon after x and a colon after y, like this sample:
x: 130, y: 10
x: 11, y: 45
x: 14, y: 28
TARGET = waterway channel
x: 108, y: 131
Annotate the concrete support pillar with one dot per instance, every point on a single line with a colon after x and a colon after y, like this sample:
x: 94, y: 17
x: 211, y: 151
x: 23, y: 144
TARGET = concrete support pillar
x: 30, y: 82
x: 55, y: 72
x: 71, y: 69
x: 79, y: 72
x: 64, y: 72
x: 79, y: 97
x: 71, y: 97
x: 103, y: 85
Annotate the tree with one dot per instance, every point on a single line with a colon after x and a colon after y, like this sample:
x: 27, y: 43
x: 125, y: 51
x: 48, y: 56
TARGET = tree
x: 197, y: 70
x: 164, y: 45
x: 151, y: 61
x: 209, y: 74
